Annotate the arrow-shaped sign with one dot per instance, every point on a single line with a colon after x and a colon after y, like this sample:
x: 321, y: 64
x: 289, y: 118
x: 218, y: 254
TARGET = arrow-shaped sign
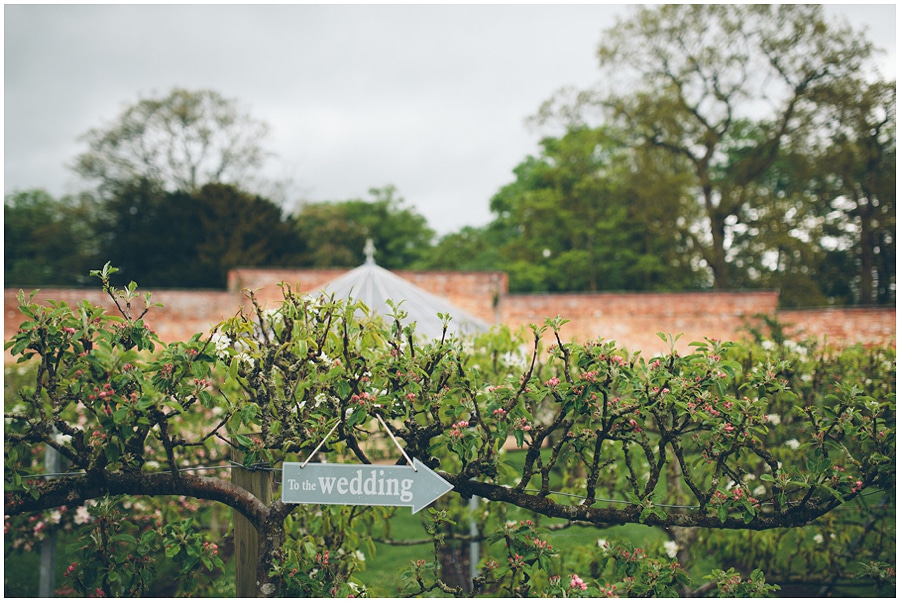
x: 362, y: 484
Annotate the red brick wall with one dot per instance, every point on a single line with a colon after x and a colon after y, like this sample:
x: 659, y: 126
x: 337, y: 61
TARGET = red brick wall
x: 633, y: 319
x: 843, y: 326
x: 630, y: 319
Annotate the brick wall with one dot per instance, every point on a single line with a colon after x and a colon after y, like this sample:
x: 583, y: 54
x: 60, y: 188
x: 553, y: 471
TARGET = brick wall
x: 630, y: 319
x: 634, y: 319
x: 843, y: 326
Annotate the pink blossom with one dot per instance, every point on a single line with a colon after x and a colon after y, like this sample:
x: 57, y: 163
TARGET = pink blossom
x: 577, y: 583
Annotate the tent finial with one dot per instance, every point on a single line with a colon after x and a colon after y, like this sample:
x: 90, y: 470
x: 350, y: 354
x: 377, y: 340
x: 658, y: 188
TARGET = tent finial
x: 369, y: 250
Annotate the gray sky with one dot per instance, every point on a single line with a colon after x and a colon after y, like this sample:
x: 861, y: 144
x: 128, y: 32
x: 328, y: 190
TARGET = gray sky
x: 430, y: 98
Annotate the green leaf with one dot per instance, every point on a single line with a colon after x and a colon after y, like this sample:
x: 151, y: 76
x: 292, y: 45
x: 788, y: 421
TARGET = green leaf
x: 148, y: 537
x: 145, y: 402
x: 121, y: 415
x: 198, y: 369
x: 112, y: 451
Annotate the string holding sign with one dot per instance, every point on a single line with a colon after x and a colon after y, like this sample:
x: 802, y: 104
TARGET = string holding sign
x: 381, y: 420
x: 321, y: 443
x: 397, y: 443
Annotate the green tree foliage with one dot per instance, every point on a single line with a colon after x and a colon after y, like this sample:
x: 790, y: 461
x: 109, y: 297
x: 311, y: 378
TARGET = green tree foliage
x: 712, y: 449
x: 183, y: 141
x: 579, y: 217
x: 687, y: 79
x: 47, y: 241
x: 859, y: 180
x: 471, y: 248
x: 191, y: 240
x: 334, y: 233
x: 778, y: 241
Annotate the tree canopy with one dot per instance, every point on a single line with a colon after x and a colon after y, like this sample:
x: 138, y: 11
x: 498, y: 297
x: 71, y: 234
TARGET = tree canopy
x: 334, y: 233
x: 191, y: 240
x: 726, y: 89
x: 47, y: 241
x: 183, y: 141
x: 584, y: 218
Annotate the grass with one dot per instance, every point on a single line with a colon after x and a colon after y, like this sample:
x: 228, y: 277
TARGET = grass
x: 382, y: 572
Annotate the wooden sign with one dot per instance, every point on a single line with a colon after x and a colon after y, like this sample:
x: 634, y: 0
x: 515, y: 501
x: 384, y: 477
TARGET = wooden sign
x: 362, y: 484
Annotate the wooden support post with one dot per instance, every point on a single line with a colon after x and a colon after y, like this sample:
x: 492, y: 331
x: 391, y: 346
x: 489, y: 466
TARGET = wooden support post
x: 246, y: 539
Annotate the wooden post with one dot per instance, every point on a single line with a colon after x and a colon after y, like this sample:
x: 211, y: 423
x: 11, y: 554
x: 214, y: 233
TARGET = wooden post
x: 246, y: 539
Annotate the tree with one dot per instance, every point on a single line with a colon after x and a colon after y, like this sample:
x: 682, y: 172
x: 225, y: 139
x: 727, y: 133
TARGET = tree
x: 583, y: 218
x: 859, y: 179
x: 686, y: 79
x: 471, y: 248
x: 334, y: 233
x: 724, y: 438
x: 191, y: 240
x: 240, y: 229
x: 47, y: 241
x: 183, y: 141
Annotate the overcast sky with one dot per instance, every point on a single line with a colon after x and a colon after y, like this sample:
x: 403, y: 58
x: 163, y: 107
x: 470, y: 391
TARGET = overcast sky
x: 431, y: 99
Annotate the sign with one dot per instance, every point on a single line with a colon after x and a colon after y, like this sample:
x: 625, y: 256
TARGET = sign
x: 362, y: 484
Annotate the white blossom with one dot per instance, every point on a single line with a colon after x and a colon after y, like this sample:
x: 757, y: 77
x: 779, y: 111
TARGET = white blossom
x: 759, y: 491
x: 792, y: 443
x: 671, y: 548
x: 273, y: 317
x: 513, y: 359
x: 62, y: 438
x: 818, y: 538
x: 222, y: 341
x: 774, y: 418
x: 602, y: 543
x: 82, y: 516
